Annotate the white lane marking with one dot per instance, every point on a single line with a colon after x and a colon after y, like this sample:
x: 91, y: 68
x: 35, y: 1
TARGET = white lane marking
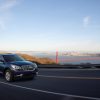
x: 71, y: 77
x: 49, y: 92
x: 60, y: 69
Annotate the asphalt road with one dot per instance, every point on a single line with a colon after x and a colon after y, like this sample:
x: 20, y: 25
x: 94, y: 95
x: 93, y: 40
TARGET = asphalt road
x: 54, y: 84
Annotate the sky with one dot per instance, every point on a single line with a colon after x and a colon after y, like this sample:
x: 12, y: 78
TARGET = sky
x: 50, y: 25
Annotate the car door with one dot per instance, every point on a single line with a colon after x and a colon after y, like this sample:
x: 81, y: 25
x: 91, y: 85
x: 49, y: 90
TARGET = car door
x: 2, y: 65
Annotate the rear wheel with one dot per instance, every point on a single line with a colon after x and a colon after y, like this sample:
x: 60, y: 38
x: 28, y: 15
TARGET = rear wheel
x: 8, y: 76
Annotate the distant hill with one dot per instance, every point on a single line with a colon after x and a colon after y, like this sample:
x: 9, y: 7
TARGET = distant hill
x: 37, y: 60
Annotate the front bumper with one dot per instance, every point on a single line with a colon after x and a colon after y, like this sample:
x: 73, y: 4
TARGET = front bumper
x: 24, y: 73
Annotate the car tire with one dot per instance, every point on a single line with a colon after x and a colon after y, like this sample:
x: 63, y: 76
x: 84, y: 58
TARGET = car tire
x: 8, y: 76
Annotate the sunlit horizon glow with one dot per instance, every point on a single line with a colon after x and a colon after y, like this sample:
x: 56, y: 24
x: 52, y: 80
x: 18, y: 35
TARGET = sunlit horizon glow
x: 50, y: 25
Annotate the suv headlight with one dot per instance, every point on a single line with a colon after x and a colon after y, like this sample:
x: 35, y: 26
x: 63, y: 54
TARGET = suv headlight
x: 15, y: 67
x: 35, y: 65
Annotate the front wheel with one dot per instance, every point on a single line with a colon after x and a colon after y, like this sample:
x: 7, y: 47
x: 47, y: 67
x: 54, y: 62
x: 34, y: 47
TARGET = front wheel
x: 8, y: 76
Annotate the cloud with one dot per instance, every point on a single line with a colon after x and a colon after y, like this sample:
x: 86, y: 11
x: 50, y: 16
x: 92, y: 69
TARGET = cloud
x: 5, y: 11
x: 8, y: 4
x: 86, y: 21
x: 2, y: 23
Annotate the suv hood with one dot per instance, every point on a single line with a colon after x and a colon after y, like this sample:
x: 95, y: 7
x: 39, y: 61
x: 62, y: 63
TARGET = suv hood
x: 20, y: 63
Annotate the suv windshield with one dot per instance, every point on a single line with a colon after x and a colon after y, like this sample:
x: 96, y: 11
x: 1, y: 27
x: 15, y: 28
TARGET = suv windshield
x: 12, y: 58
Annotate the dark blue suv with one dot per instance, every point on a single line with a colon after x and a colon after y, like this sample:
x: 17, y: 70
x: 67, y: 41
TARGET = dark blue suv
x: 12, y: 66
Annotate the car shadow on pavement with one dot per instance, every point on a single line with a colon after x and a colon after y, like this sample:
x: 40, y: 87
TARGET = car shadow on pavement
x: 18, y: 79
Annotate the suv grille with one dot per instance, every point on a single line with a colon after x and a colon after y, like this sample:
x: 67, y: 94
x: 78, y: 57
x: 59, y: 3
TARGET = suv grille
x: 27, y: 67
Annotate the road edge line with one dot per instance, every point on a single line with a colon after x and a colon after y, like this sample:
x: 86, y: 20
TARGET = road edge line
x: 70, y: 77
